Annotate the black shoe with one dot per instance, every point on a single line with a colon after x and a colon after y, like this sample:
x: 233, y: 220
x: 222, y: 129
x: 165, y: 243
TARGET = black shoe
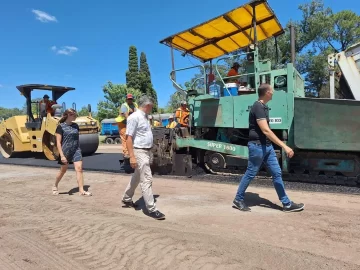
x: 129, y: 204
x: 157, y: 215
x: 241, y: 205
x: 293, y: 207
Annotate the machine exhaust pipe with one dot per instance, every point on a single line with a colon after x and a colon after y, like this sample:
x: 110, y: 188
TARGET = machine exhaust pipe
x: 292, y: 42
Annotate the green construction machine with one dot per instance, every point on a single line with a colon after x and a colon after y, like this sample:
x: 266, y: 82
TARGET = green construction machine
x: 322, y: 131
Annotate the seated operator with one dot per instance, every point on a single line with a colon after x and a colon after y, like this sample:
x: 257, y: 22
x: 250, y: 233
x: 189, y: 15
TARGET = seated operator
x: 233, y: 72
x: 172, y: 123
x: 45, y: 106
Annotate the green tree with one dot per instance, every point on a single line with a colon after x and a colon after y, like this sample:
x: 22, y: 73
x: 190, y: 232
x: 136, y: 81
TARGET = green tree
x: 146, y: 86
x: 174, y: 102
x: 5, y: 113
x: 132, y: 74
x: 83, y: 111
x: 115, y: 95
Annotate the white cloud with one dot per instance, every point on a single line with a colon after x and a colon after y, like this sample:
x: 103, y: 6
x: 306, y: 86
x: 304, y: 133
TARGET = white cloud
x: 43, y: 16
x: 65, y: 50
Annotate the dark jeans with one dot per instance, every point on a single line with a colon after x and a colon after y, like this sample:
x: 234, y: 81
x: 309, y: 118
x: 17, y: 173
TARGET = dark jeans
x: 257, y: 155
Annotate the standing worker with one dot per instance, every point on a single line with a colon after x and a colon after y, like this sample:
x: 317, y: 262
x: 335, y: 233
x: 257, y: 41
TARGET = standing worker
x: 261, y: 150
x: 126, y: 109
x: 139, y: 140
x: 182, y: 115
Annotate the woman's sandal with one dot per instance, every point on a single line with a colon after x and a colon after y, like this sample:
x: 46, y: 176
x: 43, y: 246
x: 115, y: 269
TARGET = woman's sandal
x: 85, y: 193
x: 55, y: 191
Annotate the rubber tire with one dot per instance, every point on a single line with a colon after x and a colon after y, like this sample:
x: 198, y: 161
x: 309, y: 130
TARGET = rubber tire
x: 109, y: 141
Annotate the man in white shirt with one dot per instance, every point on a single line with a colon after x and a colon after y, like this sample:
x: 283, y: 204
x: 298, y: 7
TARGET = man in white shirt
x: 139, y: 141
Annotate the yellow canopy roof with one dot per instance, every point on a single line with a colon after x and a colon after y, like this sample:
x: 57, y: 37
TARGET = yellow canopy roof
x: 228, y: 32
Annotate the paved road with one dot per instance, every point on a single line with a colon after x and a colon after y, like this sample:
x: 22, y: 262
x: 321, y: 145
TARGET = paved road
x: 109, y: 162
x: 97, y: 162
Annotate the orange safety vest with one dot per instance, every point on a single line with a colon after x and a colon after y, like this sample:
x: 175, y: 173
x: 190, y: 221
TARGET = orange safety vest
x: 48, y: 106
x: 182, y: 116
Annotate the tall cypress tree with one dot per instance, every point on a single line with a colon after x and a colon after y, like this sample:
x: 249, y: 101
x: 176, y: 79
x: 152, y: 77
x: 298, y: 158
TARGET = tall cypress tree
x: 132, y: 74
x: 145, y: 79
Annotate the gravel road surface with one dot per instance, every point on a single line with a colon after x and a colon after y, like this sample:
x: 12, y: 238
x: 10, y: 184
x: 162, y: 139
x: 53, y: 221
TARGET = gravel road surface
x: 202, y: 231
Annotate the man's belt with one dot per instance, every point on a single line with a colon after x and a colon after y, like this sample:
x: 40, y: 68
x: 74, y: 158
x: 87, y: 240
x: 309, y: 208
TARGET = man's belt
x: 143, y: 148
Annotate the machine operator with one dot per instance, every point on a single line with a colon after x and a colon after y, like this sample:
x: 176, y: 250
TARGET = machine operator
x: 126, y: 109
x: 233, y: 72
x: 153, y: 122
x: 45, y: 106
x: 182, y: 115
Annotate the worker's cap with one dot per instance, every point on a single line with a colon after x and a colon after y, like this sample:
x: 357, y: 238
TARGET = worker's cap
x: 46, y: 96
x: 129, y: 96
x: 183, y: 102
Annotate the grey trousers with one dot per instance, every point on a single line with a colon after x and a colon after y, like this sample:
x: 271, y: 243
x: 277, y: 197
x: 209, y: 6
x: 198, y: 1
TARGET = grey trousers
x: 142, y: 175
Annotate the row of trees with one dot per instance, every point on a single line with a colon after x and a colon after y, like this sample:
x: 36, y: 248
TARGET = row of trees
x: 138, y: 82
x: 319, y: 33
x: 9, y: 112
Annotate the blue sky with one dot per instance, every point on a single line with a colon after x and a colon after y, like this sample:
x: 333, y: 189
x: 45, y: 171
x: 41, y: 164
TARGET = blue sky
x: 84, y: 44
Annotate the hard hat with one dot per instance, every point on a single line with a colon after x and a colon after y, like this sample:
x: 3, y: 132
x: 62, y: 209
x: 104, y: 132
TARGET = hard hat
x: 183, y: 102
x: 150, y: 116
x: 171, y: 116
x: 129, y: 96
x: 46, y: 96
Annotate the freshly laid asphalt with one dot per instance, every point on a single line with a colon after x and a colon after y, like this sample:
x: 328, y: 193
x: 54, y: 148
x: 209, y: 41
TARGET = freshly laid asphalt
x: 109, y: 162
x: 97, y: 162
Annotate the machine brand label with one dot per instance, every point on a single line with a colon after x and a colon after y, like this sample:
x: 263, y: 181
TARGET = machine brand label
x: 220, y: 145
x: 276, y: 120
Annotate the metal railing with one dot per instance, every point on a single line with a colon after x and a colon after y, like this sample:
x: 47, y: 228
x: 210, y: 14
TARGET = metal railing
x: 177, y: 86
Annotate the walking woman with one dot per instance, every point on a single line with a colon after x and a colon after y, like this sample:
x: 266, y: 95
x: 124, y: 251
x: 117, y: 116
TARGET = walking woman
x: 68, y: 145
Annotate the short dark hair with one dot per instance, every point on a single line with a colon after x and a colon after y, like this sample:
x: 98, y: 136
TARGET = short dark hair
x: 263, y: 88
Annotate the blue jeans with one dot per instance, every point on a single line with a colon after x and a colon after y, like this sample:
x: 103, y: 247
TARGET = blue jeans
x: 257, y: 155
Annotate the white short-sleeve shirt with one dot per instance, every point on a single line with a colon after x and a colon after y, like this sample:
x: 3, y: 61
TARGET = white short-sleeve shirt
x: 139, y: 128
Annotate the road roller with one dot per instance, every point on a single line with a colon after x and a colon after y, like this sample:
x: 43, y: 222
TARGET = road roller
x: 35, y: 131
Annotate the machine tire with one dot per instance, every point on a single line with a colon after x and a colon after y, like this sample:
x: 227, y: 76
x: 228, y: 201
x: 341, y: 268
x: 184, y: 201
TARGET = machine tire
x: 109, y: 141
x: 7, y: 145
x: 117, y: 141
x: 49, y: 146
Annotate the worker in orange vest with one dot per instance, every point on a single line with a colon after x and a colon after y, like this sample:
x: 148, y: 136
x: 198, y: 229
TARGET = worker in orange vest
x: 182, y: 115
x: 233, y: 72
x: 45, y: 106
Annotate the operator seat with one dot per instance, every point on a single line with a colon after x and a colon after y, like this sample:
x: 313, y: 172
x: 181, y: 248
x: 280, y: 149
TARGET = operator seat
x: 57, y: 110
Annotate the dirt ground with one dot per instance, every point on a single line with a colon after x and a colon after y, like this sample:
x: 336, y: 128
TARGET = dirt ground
x: 201, y: 231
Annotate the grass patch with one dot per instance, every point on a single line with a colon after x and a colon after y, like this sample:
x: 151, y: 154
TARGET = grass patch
x: 102, y: 138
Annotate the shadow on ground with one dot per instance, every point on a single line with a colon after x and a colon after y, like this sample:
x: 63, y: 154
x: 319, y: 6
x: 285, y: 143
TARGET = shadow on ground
x: 253, y: 199
x: 74, y: 190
